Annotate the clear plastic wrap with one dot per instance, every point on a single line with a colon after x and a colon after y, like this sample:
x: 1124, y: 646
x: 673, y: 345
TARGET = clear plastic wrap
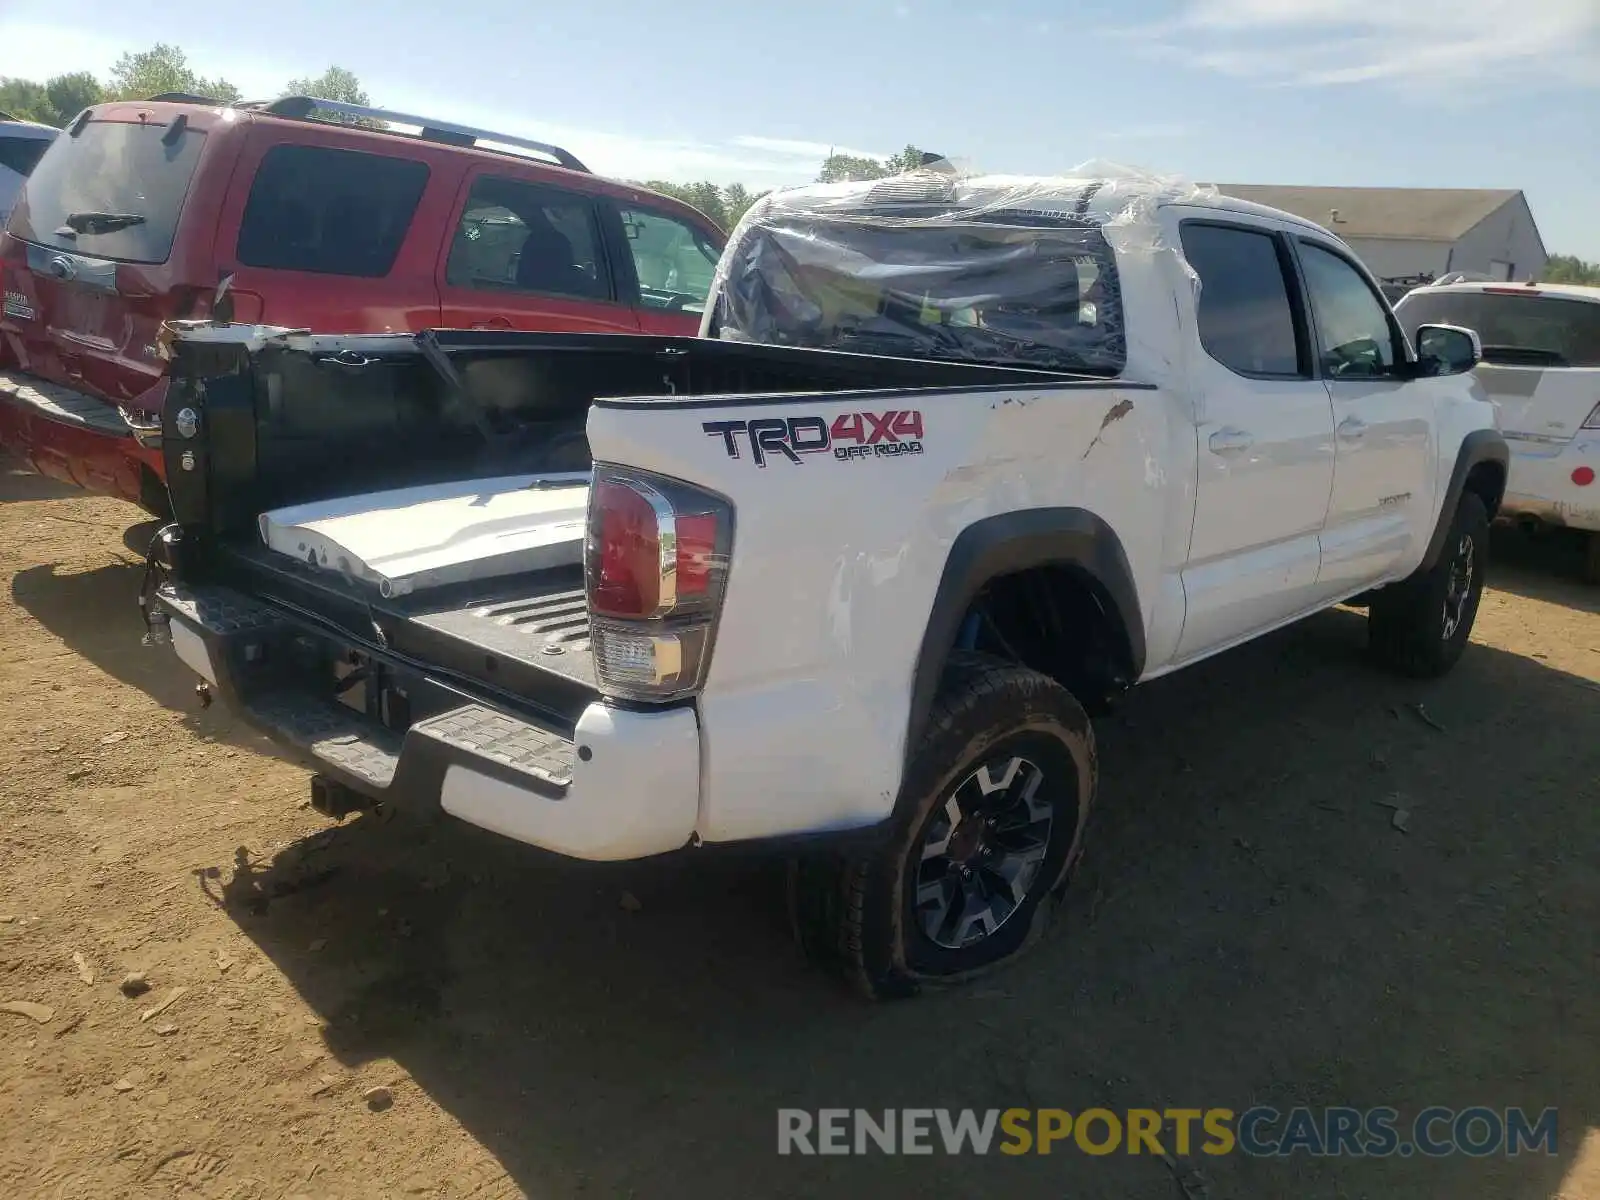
x: 936, y: 263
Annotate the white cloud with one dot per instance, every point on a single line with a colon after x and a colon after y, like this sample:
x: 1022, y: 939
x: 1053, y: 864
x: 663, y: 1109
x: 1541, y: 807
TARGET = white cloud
x: 760, y: 162
x: 812, y: 152
x: 1412, y: 45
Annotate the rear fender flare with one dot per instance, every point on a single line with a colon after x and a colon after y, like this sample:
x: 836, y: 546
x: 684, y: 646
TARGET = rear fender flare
x: 1003, y: 545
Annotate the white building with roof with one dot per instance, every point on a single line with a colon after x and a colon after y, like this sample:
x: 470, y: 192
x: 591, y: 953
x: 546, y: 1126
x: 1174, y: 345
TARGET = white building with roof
x: 1419, y: 233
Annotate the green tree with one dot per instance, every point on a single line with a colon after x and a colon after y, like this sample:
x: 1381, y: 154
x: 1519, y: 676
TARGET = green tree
x: 71, y: 94
x: 707, y: 197
x: 164, y: 68
x: 335, y: 83
x: 736, y: 201
x: 837, y: 168
x: 678, y: 191
x: 724, y: 205
x: 54, y: 102
x: 25, y: 100
x: 1569, y: 268
x: 908, y: 159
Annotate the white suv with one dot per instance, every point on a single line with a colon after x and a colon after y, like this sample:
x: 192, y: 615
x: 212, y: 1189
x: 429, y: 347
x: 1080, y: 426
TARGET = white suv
x: 22, y: 144
x: 1541, y: 367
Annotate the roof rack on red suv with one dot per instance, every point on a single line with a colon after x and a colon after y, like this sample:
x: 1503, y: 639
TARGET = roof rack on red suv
x: 312, y: 213
x: 444, y: 132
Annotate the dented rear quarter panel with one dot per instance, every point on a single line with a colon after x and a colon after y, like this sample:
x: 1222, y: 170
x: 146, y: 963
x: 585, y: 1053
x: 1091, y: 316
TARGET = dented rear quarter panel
x: 836, y: 561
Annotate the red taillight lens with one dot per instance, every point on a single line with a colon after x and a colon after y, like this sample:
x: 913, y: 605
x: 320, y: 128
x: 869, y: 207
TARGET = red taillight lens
x: 626, y: 580
x: 1583, y: 476
x: 656, y: 558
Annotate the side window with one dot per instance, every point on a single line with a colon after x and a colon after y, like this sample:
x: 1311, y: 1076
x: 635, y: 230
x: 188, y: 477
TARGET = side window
x: 522, y: 237
x: 22, y: 154
x: 674, y: 260
x: 1354, y: 337
x: 332, y: 212
x: 1246, y: 320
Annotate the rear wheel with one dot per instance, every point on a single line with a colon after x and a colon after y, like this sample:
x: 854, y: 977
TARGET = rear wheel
x: 1420, y: 627
x: 989, y: 825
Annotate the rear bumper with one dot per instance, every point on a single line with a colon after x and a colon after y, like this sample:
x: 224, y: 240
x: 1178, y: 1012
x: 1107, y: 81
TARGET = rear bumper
x: 1540, y: 483
x: 75, y: 438
x: 621, y: 785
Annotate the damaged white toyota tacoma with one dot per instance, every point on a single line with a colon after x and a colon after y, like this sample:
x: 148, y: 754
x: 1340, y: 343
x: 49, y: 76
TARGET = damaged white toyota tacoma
x: 956, y: 462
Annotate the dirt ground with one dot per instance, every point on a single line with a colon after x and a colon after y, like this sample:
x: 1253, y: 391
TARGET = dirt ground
x: 1250, y: 927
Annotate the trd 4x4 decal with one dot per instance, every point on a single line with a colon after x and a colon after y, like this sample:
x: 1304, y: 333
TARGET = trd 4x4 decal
x: 888, y: 434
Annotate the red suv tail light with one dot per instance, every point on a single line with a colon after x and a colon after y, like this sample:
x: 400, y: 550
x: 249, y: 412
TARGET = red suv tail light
x: 656, y: 561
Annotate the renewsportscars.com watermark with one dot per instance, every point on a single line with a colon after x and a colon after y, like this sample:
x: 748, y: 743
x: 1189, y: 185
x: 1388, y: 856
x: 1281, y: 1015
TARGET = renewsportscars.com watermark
x: 1260, y: 1132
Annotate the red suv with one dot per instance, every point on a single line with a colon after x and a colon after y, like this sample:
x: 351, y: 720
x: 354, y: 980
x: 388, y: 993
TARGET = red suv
x: 305, y: 213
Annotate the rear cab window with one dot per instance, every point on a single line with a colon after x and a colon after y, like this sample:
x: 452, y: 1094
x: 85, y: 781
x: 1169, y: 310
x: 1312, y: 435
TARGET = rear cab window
x: 114, y: 191
x: 1009, y: 287
x: 328, y: 211
x: 1516, y: 328
x: 1245, y: 313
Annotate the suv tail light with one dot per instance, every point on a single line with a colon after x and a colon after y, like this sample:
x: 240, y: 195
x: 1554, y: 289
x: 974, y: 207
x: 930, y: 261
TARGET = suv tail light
x: 655, y: 564
x: 1592, y: 421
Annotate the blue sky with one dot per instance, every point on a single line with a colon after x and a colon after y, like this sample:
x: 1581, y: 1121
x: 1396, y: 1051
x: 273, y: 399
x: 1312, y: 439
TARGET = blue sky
x: 1444, y: 93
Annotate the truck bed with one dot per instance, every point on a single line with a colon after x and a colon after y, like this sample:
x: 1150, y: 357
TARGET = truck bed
x: 299, y: 418
x: 386, y: 689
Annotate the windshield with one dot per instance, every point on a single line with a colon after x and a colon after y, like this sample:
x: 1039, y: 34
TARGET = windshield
x: 1010, y: 287
x: 1531, y: 329
x: 114, y: 191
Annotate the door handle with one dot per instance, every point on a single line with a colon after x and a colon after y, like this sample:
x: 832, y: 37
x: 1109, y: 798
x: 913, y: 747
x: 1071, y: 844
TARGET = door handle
x: 1352, y: 429
x: 1230, y: 441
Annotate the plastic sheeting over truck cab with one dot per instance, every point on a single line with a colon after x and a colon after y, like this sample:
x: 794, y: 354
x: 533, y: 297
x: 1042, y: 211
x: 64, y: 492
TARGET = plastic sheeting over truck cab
x: 995, y: 269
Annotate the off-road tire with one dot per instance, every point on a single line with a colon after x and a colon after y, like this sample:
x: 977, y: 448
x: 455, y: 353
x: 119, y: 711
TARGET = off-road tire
x: 854, y: 912
x: 1408, y: 626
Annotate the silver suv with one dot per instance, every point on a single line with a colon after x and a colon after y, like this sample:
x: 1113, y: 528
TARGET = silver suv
x: 22, y: 144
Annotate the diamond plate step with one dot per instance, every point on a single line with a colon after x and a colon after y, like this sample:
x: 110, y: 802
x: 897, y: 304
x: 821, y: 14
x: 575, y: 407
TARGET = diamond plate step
x: 219, y: 609
x: 62, y: 403
x: 504, y: 740
x: 333, y: 733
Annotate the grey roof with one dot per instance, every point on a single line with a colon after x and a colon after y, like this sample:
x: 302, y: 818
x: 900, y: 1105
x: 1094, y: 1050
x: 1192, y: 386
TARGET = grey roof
x: 1414, y: 214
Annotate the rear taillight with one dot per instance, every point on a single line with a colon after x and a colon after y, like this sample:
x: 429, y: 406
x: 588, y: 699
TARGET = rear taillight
x: 1592, y: 421
x: 656, y: 561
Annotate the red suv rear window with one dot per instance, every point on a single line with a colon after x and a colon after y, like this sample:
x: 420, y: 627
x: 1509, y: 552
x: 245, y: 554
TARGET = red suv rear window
x: 333, y: 212
x: 113, y: 191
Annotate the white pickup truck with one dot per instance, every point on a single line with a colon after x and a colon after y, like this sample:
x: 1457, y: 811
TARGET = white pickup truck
x: 958, y: 461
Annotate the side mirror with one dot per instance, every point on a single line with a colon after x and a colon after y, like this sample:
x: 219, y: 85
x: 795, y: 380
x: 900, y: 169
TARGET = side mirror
x: 1447, y: 350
